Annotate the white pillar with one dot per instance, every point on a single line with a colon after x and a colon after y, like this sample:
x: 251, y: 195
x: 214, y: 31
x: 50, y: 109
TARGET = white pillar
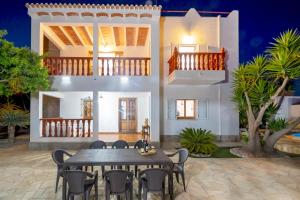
x: 95, y: 114
x: 95, y: 48
x: 36, y: 36
x: 155, y: 96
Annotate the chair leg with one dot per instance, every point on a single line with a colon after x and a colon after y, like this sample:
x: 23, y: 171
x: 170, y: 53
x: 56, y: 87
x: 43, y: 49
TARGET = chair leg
x: 103, y: 170
x: 163, y: 191
x: 118, y: 197
x: 145, y: 194
x: 92, y: 168
x: 177, y: 177
x: 183, y: 180
x: 57, y: 181
x: 135, y: 170
x: 140, y: 191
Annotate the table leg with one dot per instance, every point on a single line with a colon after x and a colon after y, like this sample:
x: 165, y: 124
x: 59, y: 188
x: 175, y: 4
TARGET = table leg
x: 64, y: 189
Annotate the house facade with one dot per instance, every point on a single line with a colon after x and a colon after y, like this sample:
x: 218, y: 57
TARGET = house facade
x: 113, y: 68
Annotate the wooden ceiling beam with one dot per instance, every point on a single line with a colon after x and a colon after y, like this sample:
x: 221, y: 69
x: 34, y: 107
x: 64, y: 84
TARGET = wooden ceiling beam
x: 142, y: 36
x: 61, y: 34
x: 72, y: 36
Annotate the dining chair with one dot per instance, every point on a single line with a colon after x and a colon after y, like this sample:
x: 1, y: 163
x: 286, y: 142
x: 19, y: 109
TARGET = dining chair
x: 152, y: 180
x: 99, y: 144
x: 178, y: 167
x: 120, y: 144
x: 81, y: 183
x: 118, y: 182
x: 58, y: 157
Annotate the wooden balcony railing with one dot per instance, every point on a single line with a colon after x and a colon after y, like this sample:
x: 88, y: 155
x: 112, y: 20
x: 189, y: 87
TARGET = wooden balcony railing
x: 58, y: 127
x: 130, y: 66
x: 72, y: 66
x: 196, y: 61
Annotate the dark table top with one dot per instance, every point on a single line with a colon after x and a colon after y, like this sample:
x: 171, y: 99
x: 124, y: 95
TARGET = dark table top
x: 117, y: 157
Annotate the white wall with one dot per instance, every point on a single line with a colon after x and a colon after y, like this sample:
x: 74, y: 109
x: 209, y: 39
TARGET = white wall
x: 109, y: 113
x: 75, y: 51
x: 213, y: 33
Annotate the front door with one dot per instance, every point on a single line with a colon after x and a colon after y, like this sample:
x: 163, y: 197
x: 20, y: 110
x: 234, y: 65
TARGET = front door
x: 127, y: 115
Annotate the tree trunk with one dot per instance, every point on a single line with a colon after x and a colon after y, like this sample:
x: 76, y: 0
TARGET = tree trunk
x: 11, y: 134
x: 272, y: 139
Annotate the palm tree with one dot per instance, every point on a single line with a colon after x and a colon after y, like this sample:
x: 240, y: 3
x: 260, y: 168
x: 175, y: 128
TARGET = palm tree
x: 12, y: 116
x: 259, y: 84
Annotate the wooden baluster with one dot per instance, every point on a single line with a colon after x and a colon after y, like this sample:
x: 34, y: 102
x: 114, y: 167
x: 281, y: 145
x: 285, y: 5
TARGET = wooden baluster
x: 140, y: 67
x: 129, y: 73
x: 72, y: 128
x: 118, y: 64
x: 146, y: 67
x: 211, y: 61
x: 113, y: 67
x: 77, y: 128
x: 222, y: 62
x: 67, y: 66
x: 198, y: 59
x: 43, y: 127
x: 134, y: 67
x: 50, y: 128
x: 102, y: 64
x: 215, y: 62
x: 89, y: 128
x: 202, y: 62
x: 83, y: 127
x: 190, y: 62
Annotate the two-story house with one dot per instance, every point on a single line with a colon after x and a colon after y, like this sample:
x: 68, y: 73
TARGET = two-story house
x: 112, y: 67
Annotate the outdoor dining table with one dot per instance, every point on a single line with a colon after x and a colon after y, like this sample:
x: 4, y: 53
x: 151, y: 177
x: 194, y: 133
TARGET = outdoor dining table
x: 102, y: 157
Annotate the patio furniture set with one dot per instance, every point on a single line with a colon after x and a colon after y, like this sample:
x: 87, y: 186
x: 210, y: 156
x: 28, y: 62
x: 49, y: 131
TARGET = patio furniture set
x: 77, y: 180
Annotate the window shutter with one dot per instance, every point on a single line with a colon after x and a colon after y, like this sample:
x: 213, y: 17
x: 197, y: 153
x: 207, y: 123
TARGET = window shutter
x: 202, y: 109
x: 171, y: 109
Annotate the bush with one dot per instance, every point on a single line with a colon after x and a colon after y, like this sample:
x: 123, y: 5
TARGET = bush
x: 198, y: 141
x: 277, y: 124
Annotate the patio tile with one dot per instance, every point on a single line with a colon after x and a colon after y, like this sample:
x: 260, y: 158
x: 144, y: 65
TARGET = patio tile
x: 26, y: 174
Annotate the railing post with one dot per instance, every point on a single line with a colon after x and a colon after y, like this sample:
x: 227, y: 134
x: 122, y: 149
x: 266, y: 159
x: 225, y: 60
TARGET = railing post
x: 95, y: 49
x: 222, y: 63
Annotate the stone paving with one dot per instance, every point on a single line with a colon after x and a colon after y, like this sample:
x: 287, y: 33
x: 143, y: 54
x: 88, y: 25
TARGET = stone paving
x: 26, y: 174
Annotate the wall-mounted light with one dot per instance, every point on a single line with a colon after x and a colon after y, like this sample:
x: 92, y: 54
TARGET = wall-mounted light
x: 66, y: 80
x: 124, y: 79
x: 188, y: 39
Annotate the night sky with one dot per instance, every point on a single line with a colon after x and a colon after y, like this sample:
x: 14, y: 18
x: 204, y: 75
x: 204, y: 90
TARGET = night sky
x: 260, y: 20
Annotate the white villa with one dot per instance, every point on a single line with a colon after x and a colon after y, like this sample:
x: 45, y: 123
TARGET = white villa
x: 113, y: 67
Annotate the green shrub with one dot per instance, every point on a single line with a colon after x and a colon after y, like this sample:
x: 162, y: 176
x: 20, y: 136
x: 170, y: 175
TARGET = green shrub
x: 198, y: 141
x: 277, y: 124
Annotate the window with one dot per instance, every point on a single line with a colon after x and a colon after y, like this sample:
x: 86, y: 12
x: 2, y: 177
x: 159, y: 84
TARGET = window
x: 185, y: 109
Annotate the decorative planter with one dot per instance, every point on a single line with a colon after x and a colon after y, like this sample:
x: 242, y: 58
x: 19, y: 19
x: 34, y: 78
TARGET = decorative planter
x: 200, y: 155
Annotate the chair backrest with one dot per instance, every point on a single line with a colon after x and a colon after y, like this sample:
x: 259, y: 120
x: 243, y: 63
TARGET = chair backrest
x: 139, y: 144
x: 183, y: 155
x: 58, y: 156
x: 117, y: 179
x: 120, y: 144
x: 154, y: 178
x: 98, y: 145
x: 75, y: 180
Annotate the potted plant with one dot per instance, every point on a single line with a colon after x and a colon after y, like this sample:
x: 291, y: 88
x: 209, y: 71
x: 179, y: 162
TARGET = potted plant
x: 199, y: 142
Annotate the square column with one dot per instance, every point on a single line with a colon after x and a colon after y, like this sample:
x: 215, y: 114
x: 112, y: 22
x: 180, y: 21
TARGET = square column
x: 36, y: 36
x: 95, y: 114
x: 95, y: 48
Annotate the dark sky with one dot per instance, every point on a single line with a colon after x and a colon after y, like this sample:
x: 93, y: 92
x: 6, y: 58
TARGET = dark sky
x: 260, y: 20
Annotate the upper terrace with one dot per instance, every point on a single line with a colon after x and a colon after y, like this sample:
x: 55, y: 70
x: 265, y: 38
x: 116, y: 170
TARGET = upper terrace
x: 89, y: 39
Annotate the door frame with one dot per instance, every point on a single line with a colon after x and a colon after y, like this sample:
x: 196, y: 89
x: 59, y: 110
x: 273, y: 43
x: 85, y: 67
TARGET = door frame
x: 119, y: 113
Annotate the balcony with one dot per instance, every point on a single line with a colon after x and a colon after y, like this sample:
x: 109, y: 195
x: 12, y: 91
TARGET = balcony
x: 199, y: 68
x: 107, y: 66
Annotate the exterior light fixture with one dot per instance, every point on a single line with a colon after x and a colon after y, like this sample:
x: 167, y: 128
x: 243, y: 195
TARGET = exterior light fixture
x: 124, y: 80
x: 66, y: 80
x: 188, y: 39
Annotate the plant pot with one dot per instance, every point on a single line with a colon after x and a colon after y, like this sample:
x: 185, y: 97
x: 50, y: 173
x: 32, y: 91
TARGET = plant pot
x: 200, y: 155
